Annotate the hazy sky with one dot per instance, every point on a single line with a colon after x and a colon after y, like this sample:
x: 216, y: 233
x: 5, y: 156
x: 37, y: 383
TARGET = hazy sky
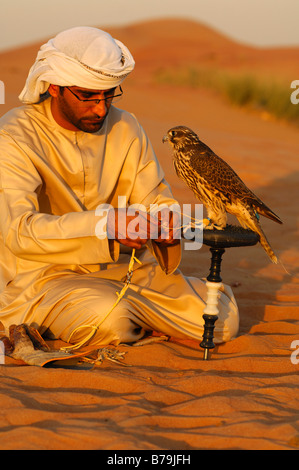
x: 255, y: 22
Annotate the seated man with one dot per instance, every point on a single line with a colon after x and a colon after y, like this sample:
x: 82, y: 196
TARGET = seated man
x: 64, y: 153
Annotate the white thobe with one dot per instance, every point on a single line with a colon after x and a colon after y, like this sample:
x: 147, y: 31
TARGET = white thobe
x: 55, y: 273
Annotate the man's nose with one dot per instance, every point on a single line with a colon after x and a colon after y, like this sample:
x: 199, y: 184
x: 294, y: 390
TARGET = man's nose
x: 100, y: 108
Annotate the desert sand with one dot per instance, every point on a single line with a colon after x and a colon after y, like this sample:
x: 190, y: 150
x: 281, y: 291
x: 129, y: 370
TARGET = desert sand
x: 246, y: 395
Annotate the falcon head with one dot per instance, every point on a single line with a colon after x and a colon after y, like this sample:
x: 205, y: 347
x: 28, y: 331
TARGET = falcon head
x: 180, y: 136
x: 184, y: 140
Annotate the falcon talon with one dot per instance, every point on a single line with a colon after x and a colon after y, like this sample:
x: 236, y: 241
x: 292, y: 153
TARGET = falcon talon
x: 209, y: 224
x: 194, y: 225
x: 212, y: 226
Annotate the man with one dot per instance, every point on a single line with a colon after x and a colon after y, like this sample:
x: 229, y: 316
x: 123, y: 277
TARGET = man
x: 65, y: 153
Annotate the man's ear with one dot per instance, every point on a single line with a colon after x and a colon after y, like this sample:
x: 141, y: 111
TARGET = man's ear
x: 54, y: 90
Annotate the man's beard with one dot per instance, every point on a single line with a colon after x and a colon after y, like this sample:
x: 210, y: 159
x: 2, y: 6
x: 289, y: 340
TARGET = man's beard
x: 90, y: 124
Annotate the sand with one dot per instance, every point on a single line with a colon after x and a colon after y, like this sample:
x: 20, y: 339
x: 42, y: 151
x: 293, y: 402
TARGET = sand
x: 246, y: 395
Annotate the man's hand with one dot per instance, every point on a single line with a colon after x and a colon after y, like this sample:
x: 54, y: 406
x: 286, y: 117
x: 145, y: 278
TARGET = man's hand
x: 170, y: 226
x: 133, y: 228
x: 130, y: 228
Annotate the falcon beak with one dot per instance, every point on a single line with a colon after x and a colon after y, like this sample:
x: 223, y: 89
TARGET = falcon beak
x: 165, y: 138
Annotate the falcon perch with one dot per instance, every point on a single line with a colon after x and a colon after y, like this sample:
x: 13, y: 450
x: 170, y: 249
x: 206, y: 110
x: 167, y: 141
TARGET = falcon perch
x: 217, y: 185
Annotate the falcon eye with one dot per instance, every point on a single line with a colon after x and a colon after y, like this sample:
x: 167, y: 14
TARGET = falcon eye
x: 173, y: 133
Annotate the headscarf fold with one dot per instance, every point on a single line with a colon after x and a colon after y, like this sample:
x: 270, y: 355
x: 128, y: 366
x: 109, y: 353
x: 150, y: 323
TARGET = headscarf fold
x: 83, y: 56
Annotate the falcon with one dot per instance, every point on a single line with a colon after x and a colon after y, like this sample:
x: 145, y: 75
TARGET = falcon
x: 217, y: 185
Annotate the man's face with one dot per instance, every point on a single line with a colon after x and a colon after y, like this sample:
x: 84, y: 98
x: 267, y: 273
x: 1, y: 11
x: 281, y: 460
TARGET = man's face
x: 73, y: 114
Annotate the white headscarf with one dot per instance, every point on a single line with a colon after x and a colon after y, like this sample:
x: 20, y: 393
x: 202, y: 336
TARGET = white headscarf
x: 83, y: 56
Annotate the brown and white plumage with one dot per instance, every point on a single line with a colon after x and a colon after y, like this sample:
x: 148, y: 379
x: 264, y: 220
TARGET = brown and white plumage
x: 217, y: 185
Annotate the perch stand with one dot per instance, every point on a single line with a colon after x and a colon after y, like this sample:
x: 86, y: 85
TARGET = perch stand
x: 218, y: 241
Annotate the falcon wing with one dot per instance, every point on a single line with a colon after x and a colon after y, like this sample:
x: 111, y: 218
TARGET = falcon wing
x: 223, y: 179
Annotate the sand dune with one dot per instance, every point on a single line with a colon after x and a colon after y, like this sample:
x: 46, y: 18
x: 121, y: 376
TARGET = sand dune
x: 246, y: 396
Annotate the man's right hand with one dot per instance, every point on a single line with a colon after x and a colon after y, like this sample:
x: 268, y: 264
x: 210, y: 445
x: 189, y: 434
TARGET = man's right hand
x: 132, y: 230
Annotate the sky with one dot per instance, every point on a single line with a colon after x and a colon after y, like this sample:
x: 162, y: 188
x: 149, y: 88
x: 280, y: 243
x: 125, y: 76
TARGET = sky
x: 262, y: 23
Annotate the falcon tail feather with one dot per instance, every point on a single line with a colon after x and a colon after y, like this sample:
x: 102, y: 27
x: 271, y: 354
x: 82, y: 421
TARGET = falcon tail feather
x: 254, y: 225
x: 266, y: 245
x: 251, y: 221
